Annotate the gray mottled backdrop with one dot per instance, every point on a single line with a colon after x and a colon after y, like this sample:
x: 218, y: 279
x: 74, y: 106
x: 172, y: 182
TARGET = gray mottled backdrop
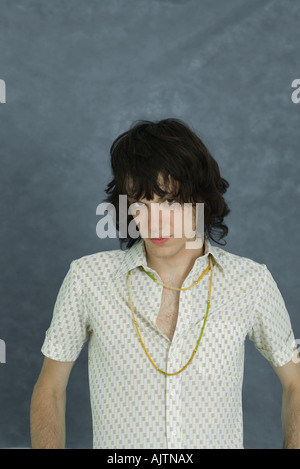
x: 78, y: 73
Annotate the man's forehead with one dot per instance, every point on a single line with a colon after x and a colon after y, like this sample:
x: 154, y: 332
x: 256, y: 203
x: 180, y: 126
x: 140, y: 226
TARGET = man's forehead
x: 156, y: 198
x: 170, y: 187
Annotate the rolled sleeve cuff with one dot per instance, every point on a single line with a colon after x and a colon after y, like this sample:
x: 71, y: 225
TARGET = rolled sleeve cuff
x: 282, y: 356
x: 55, y: 351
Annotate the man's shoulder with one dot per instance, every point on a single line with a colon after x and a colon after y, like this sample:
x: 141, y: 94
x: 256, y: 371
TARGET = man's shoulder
x: 100, y: 264
x: 241, y: 264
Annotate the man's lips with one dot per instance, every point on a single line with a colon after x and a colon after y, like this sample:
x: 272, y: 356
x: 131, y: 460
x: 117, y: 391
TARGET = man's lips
x: 159, y: 240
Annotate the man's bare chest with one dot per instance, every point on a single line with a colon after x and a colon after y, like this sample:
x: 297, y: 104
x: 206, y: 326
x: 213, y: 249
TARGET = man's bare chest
x: 168, y: 313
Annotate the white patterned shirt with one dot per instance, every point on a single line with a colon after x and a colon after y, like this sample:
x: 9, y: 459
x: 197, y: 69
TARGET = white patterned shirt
x: 134, y: 406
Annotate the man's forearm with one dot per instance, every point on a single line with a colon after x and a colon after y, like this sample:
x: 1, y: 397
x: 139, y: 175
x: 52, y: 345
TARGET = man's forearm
x: 291, y: 418
x: 47, y: 420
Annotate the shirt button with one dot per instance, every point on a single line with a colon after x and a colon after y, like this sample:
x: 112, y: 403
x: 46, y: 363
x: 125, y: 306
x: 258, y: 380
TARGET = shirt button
x: 174, y: 433
x: 172, y: 393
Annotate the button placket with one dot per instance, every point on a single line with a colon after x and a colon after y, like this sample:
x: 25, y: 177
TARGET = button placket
x: 173, y: 402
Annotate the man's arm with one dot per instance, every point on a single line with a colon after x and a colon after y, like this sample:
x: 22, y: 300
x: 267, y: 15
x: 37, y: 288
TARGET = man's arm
x: 48, y: 404
x: 289, y: 376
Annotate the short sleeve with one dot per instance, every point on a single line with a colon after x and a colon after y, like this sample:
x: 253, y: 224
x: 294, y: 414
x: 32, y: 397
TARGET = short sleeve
x: 68, y: 330
x: 271, y: 329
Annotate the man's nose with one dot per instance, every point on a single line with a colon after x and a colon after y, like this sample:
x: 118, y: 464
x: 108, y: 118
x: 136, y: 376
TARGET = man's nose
x: 159, y: 221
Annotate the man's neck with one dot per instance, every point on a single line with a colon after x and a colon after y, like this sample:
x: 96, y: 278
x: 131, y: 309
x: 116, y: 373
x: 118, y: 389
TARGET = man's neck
x: 175, y: 268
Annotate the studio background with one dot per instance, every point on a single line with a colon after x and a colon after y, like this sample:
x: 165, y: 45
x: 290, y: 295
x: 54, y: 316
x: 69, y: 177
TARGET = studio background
x: 80, y: 72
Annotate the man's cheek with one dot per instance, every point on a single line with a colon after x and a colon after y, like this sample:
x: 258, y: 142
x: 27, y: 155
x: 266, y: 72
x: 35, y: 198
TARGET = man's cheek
x: 142, y: 224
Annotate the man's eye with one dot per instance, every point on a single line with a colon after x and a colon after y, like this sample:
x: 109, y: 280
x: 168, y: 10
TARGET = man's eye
x: 170, y: 201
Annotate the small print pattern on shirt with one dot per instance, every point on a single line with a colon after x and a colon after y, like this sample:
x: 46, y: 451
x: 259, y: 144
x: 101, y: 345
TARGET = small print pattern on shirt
x: 133, y: 405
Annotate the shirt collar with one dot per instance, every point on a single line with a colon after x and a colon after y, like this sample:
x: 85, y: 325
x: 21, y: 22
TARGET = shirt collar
x: 136, y: 256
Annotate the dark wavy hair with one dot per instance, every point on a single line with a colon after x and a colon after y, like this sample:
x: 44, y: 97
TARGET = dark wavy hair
x: 171, y: 150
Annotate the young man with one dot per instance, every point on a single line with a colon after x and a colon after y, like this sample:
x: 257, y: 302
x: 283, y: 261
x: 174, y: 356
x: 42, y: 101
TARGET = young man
x: 166, y: 324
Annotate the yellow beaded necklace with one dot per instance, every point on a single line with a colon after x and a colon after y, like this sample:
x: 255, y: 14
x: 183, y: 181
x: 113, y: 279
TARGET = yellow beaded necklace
x: 210, y: 267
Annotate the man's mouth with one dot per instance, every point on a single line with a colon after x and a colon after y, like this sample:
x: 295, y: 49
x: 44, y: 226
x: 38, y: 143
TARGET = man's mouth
x: 159, y: 240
